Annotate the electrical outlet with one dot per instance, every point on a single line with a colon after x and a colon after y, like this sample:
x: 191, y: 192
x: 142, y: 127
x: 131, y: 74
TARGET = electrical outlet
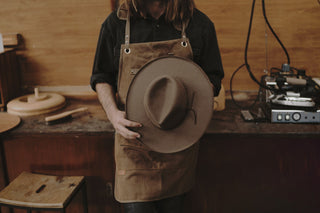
x: 109, y: 190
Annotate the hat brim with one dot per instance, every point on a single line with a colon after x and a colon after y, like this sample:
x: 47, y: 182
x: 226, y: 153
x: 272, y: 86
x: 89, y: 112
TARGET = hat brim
x: 199, y: 89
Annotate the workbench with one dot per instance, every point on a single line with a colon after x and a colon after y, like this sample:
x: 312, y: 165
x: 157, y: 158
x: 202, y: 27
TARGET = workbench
x: 243, y: 166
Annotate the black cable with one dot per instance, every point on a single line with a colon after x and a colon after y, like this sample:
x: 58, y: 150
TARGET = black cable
x: 247, y: 45
x: 231, y: 90
x: 232, y: 96
x: 246, y: 51
x: 246, y: 64
x: 274, y: 34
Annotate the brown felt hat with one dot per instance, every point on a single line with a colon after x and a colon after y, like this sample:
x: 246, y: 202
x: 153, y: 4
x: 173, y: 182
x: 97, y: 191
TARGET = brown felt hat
x: 172, y: 98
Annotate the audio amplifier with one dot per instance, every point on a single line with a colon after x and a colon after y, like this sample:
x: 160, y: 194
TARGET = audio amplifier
x: 294, y: 116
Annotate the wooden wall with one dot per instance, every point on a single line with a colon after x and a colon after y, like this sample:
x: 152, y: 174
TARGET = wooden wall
x: 296, y: 22
x: 60, y: 37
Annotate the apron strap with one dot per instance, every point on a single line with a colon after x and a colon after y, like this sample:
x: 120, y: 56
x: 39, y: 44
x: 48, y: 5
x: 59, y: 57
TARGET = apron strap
x: 127, y: 34
x: 184, y: 42
x: 127, y: 50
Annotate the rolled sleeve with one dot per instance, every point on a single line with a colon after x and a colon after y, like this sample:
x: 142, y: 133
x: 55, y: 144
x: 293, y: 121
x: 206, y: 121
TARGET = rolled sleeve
x: 104, y: 70
x: 101, y: 78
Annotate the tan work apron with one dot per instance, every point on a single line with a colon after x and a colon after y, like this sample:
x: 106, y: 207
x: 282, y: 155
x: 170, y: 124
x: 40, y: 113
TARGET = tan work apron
x: 142, y: 174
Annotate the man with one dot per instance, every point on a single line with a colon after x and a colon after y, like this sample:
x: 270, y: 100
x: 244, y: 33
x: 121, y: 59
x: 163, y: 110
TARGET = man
x: 148, y: 181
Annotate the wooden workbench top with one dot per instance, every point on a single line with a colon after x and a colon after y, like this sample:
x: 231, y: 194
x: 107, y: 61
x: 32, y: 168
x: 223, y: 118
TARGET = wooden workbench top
x: 94, y: 120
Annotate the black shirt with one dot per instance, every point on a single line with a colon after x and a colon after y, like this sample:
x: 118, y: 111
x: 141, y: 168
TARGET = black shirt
x: 200, y: 31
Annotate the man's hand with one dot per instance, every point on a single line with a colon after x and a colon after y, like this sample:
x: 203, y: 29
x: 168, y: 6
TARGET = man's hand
x: 117, y: 118
x: 121, y: 124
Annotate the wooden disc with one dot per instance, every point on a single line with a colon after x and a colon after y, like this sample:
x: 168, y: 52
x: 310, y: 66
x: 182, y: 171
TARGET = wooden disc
x: 22, y: 106
x: 8, y: 121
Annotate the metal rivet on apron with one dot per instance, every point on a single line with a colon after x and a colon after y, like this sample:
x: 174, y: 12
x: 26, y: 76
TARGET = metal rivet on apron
x: 127, y: 50
x: 184, y: 44
x: 134, y: 71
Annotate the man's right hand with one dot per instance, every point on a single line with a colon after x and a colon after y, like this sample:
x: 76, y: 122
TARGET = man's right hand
x: 117, y: 118
x: 121, y: 124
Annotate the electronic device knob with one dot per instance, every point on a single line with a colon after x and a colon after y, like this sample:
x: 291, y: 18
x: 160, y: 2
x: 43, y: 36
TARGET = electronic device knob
x: 296, y: 116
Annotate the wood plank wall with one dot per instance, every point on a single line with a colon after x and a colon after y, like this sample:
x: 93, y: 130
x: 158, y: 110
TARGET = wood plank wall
x: 296, y: 22
x: 60, y: 37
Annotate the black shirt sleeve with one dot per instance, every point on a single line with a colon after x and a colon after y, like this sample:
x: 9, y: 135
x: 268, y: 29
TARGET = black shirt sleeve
x: 103, y: 67
x: 203, y: 39
x: 210, y: 59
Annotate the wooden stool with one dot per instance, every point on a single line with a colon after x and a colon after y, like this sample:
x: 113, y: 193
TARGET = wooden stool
x: 43, y: 192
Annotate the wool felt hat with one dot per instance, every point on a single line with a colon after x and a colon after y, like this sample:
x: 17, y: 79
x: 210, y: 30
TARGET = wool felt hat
x: 172, y: 98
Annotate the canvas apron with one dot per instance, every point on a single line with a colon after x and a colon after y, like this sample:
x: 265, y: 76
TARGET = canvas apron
x: 142, y: 174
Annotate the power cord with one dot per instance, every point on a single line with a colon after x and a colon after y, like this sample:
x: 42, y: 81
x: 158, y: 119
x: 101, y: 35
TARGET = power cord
x: 274, y: 34
x: 246, y: 64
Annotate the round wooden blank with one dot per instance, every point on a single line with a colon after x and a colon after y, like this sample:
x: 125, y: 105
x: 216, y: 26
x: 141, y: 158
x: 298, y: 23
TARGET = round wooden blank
x: 48, y: 102
x: 8, y: 121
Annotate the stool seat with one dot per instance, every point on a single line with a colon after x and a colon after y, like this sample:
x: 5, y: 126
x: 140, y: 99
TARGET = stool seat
x: 31, y: 190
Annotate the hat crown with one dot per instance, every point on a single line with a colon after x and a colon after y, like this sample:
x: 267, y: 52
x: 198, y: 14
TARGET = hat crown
x: 166, y: 102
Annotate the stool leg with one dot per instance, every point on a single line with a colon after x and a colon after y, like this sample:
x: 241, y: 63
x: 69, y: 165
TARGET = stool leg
x: 84, y: 198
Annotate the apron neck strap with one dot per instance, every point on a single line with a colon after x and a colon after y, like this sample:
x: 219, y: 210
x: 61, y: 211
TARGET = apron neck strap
x: 127, y: 33
x: 183, y: 32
